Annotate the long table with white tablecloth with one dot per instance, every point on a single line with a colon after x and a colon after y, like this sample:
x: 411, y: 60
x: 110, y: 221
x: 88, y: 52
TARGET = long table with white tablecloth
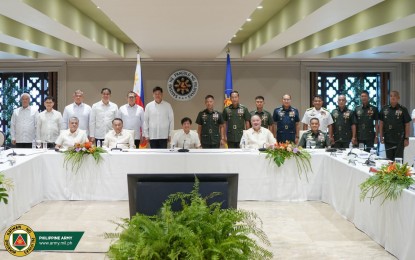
x: 42, y: 176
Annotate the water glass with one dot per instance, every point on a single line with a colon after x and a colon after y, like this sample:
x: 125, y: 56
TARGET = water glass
x: 45, y: 145
x: 312, y: 144
x: 38, y: 144
x: 398, y: 160
x: 361, y: 146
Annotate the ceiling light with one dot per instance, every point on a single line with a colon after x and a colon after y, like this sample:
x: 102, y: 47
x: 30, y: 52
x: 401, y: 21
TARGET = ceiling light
x: 229, y: 41
x: 248, y: 19
x: 260, y: 7
x: 388, y: 52
x: 240, y: 29
x: 234, y: 35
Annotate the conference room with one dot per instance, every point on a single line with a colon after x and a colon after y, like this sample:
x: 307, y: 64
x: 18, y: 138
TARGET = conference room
x: 192, y: 49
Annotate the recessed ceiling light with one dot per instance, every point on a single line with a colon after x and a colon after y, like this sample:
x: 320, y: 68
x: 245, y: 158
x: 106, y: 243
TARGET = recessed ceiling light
x: 229, y: 41
x: 234, y: 35
x: 248, y: 19
x: 240, y: 29
x: 98, y: 7
x: 260, y: 7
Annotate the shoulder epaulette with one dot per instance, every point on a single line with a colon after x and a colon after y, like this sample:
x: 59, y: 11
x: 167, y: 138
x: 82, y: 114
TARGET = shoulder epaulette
x: 308, y: 109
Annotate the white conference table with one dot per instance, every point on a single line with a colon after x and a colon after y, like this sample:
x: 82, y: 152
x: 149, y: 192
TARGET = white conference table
x: 40, y: 177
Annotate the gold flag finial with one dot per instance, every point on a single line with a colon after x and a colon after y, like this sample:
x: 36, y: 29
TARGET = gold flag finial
x: 228, y: 50
x: 138, y: 50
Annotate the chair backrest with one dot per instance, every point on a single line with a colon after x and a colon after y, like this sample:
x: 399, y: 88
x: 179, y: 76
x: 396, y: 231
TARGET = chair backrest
x: 301, y: 134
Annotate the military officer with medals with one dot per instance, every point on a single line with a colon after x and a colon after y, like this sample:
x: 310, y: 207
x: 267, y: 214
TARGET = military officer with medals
x: 210, y: 125
x: 287, y: 121
x: 394, y: 128
x: 342, y: 124
x: 365, y: 123
x: 266, y: 119
x: 315, y: 134
x: 237, y: 119
x: 319, y: 112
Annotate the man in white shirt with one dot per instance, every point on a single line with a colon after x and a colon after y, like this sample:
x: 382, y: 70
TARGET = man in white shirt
x: 49, y: 123
x: 185, y: 138
x: 319, y: 112
x: 158, y: 120
x: 257, y: 136
x: 118, y: 137
x: 132, y: 116
x: 102, y: 114
x: 71, y: 136
x: 413, y: 120
x: 23, y: 124
x: 78, y: 109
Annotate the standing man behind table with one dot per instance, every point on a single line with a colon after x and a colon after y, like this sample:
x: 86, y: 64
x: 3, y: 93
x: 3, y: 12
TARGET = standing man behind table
x: 77, y: 109
x: 266, y: 118
x: 319, y: 112
x: 237, y: 119
x: 23, y: 123
x: 257, y: 136
x: 342, y: 126
x: 185, y: 138
x: 211, y: 128
x: 287, y: 121
x: 133, y: 117
x: 102, y: 114
x: 365, y: 127
x: 394, y: 127
x: 49, y: 123
x: 158, y: 120
x: 315, y: 134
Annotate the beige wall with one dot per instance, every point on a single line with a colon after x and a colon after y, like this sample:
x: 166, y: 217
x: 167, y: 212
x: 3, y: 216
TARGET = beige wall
x: 269, y: 79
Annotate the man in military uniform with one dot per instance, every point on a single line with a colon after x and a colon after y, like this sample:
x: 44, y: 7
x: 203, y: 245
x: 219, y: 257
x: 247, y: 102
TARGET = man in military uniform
x: 365, y: 123
x: 287, y: 121
x: 315, y: 134
x: 210, y: 125
x: 342, y: 126
x: 266, y: 119
x: 394, y: 127
x: 319, y: 112
x: 237, y: 118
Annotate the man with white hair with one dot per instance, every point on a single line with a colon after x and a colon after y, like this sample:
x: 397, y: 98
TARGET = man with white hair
x: 257, y: 136
x: 23, y: 123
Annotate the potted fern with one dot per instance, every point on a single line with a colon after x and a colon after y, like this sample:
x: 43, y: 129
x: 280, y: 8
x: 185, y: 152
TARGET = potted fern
x: 198, y: 231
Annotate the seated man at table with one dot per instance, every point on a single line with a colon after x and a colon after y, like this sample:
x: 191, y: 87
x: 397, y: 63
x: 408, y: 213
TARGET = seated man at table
x: 185, y: 138
x: 70, y: 137
x: 316, y: 135
x: 257, y: 136
x: 118, y: 137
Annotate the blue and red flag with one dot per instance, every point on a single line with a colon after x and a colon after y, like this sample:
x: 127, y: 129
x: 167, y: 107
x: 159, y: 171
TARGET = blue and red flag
x: 228, y: 81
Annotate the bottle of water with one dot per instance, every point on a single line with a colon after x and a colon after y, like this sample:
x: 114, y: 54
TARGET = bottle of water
x: 34, y: 144
x: 351, y: 146
x: 99, y: 143
x: 308, y: 144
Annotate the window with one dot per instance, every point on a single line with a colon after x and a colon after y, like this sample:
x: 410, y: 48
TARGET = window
x: 38, y: 84
x: 331, y: 85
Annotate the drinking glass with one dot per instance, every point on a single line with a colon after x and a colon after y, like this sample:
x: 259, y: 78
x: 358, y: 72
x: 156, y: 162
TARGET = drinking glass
x: 398, y: 160
x: 312, y: 144
x: 45, y: 145
x: 361, y: 146
x: 38, y: 144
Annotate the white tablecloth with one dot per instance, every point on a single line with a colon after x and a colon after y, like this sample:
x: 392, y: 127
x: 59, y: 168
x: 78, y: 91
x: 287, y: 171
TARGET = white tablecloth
x: 43, y: 177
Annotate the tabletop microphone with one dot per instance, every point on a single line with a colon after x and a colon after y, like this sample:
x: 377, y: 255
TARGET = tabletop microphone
x: 13, y: 153
x: 263, y: 149
x: 384, y: 150
x: 183, y: 150
x: 116, y: 148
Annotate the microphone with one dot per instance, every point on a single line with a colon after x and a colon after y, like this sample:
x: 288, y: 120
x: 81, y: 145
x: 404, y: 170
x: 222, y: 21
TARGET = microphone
x: 116, y: 148
x: 13, y: 153
x: 183, y: 150
x: 263, y: 148
x: 384, y: 150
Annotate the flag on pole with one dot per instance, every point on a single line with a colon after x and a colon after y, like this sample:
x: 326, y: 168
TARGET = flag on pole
x: 138, y: 84
x: 228, y: 81
x: 138, y: 89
